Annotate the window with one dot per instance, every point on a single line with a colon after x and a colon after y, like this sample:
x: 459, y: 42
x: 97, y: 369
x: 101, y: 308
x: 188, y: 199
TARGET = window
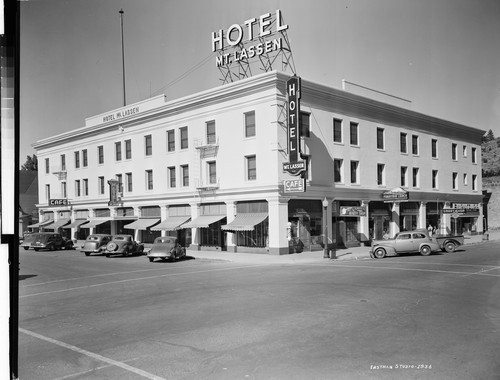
x: 474, y: 182
x: 47, y: 192
x: 474, y: 155
x: 434, y: 179
x: 414, y: 144
x: 119, y: 178
x: 77, y: 188
x: 211, y: 137
x: 77, y: 160
x: 212, y: 172
x: 100, y: 154
x: 184, y: 137
x: 85, y: 158
x: 85, y: 187
x: 454, y: 152
x: 404, y: 173
x: 354, y: 133
x: 100, y: 184
x: 171, y: 176
x: 454, y: 179
x: 149, y: 179
x: 337, y: 170
x: 185, y: 175
x: 434, y: 144
x: 63, y: 162
x: 118, y: 151
x: 148, y: 145
x: 380, y: 174
x: 305, y: 126
x: 64, y: 193
x: 415, y: 177
x: 170, y: 141
x: 128, y: 178
x: 128, y: 149
x: 250, y: 124
x: 337, y: 130
x: 380, y: 138
x: 465, y: 179
x: 403, y: 143
x: 354, y: 171
x: 47, y: 166
x: 251, y: 162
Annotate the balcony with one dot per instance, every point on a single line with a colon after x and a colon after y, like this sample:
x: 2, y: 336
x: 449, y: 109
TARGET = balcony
x: 208, y: 147
x: 60, y: 172
x: 207, y: 185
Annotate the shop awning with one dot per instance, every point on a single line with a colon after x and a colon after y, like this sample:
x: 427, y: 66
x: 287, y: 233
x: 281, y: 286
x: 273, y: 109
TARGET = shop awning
x: 141, y: 224
x: 203, y: 221
x: 172, y: 223
x: 58, y: 223
x: 76, y: 223
x: 41, y: 224
x: 245, y: 222
x: 94, y: 222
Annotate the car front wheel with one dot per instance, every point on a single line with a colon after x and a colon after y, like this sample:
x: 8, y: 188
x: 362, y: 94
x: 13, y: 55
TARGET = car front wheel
x: 379, y: 253
x: 425, y: 250
x: 449, y: 247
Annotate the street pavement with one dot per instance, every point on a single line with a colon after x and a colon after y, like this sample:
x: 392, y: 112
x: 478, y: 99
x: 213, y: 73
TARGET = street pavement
x: 354, y: 253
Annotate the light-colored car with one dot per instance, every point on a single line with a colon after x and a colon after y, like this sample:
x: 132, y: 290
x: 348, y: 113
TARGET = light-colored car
x: 166, y: 248
x: 95, y: 243
x: 404, y: 242
x: 123, y: 245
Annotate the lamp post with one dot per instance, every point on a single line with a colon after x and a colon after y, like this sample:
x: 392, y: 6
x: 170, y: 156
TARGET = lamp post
x: 325, y: 229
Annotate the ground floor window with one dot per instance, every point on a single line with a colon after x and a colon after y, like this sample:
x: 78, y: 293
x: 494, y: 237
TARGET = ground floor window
x: 148, y: 236
x: 255, y: 238
x: 103, y: 228
x: 213, y: 236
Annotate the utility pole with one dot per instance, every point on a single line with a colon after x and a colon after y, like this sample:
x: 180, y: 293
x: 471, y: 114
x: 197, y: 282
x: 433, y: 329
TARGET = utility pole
x: 123, y: 60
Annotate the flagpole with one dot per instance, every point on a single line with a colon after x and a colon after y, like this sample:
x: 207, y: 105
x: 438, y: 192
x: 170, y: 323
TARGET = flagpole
x: 123, y: 59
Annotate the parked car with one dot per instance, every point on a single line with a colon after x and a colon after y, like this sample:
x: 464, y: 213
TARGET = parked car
x: 95, y: 243
x: 404, y: 242
x: 123, y: 245
x: 27, y: 240
x: 449, y: 243
x: 50, y: 241
x: 166, y: 247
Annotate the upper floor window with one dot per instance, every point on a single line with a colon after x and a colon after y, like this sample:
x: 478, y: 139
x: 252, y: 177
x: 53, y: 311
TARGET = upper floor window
x: 85, y: 158
x: 128, y: 178
x: 100, y: 185
x: 354, y: 133
x: 148, y: 145
x: 85, y: 187
x: 454, y: 180
x: 77, y: 160
x: 47, y: 166
x: 184, y: 137
x: 64, y: 193
x: 337, y: 130
x: 414, y: 145
x: 305, y: 126
x: 380, y: 138
x: 77, y: 188
x: 403, y: 143
x: 380, y: 174
x: 100, y: 154
x: 149, y: 179
x: 434, y: 179
x: 354, y: 171
x: 212, y: 172
x: 337, y: 170
x: 454, y: 153
x: 172, y: 181
x: 404, y: 176
x: 434, y: 148
x: 250, y: 124
x: 118, y: 151
x: 464, y: 150
x: 119, y: 178
x: 474, y: 182
x: 63, y: 162
x: 47, y: 192
x: 211, y: 137
x: 128, y: 149
x: 185, y: 175
x: 474, y: 155
x: 416, y: 179
x: 170, y: 140
x: 251, y: 163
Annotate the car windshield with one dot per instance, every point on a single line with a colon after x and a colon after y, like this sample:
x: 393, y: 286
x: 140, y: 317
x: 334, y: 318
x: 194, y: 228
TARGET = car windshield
x: 93, y: 238
x: 165, y: 240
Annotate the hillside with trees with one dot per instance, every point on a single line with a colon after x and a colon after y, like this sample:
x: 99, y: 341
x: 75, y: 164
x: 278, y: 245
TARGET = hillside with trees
x: 490, y: 152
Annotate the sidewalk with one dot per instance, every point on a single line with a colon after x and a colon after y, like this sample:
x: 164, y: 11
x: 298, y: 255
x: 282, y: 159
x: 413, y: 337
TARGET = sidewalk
x: 355, y: 253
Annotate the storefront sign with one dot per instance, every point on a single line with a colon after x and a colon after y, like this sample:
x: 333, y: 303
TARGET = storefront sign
x: 352, y: 211
x: 396, y: 195
x: 294, y: 185
x: 236, y: 36
x: 58, y: 202
x: 471, y: 207
x: 114, y: 192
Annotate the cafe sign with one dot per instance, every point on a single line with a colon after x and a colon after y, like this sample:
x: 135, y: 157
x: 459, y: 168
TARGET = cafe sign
x: 396, y: 195
x: 58, y: 202
x: 294, y: 185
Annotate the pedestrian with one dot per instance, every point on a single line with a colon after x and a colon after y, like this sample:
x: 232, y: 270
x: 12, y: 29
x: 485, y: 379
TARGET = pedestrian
x: 430, y: 229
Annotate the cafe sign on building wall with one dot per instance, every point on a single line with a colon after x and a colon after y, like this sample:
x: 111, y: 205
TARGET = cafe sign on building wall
x: 396, y: 195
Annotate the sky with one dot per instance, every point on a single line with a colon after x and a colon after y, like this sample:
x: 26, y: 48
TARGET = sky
x: 442, y: 55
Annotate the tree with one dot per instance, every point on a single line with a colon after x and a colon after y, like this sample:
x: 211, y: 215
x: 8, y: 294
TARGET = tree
x: 31, y: 163
x: 489, y: 136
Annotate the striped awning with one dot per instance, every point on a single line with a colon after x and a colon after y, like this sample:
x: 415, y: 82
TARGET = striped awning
x: 141, y: 224
x: 203, y: 221
x: 76, y: 223
x: 245, y: 222
x: 94, y: 222
x: 42, y: 224
x: 172, y: 223
x: 58, y: 223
